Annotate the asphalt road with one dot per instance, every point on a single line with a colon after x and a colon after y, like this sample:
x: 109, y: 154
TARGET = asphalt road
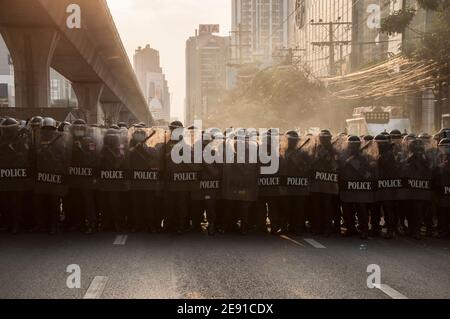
x: 226, y: 266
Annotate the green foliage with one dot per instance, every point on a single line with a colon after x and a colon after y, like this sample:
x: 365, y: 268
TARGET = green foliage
x: 280, y: 96
x: 397, y: 21
x: 431, y: 4
x: 434, y: 44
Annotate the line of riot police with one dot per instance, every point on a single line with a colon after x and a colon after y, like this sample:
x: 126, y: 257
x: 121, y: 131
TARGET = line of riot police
x: 82, y: 177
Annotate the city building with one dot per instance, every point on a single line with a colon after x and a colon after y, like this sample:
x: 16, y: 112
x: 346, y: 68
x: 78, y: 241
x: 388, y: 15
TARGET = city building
x: 339, y: 37
x: 207, y: 56
x: 61, y: 92
x: 153, y: 82
x: 6, y: 78
x: 259, y: 31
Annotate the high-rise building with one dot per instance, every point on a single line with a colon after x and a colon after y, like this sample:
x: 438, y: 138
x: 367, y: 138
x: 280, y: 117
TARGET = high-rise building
x: 207, y: 56
x: 259, y: 29
x: 153, y: 82
x: 61, y: 92
x: 6, y: 76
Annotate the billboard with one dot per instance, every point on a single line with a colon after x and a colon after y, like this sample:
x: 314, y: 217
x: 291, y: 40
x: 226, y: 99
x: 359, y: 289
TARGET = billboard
x: 209, y: 28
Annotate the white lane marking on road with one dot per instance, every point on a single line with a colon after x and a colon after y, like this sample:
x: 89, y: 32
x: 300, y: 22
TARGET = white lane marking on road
x: 291, y: 240
x: 391, y: 292
x: 314, y: 243
x: 96, y: 288
x: 120, y: 240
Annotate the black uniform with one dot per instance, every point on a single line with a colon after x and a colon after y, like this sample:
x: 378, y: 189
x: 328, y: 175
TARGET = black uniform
x: 416, y: 191
x: 211, y: 180
x: 240, y: 181
x: 324, y: 184
x: 112, y: 179
x: 441, y: 183
x: 52, y: 159
x: 182, y: 178
x: 389, y: 182
x: 269, y: 191
x: 15, y: 174
x: 357, y: 186
x: 82, y: 177
x: 146, y: 177
x: 295, y: 165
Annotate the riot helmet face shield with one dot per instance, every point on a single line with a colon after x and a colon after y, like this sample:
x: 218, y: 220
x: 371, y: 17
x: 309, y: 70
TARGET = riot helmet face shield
x: 9, y: 129
x: 444, y: 149
x: 383, y: 144
x: 138, y: 136
x: 416, y: 147
x: 292, y: 140
x: 353, y: 145
x: 112, y: 140
x: 325, y: 138
x: 79, y: 131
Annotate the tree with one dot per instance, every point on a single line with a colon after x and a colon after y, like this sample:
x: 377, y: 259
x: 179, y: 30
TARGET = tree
x: 280, y: 96
x: 433, y: 45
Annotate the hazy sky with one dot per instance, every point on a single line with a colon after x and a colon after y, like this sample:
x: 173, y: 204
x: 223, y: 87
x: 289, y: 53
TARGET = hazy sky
x: 166, y: 25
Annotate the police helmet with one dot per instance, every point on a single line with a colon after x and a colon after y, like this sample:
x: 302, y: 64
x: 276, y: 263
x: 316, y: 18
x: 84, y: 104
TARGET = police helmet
x: 325, y: 137
x: 63, y: 126
x: 36, y: 121
x: 445, y: 142
x: 292, y: 135
x: 396, y: 134
x: 354, y: 140
x: 49, y: 123
x: 9, y: 127
x: 425, y: 137
x: 368, y: 138
x: 382, y: 138
x: 176, y: 124
x: 79, y: 122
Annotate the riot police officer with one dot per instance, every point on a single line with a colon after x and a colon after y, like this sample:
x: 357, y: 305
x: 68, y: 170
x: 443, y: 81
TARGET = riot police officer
x: 112, y: 179
x: 269, y: 187
x: 324, y: 184
x: 81, y: 210
x: 51, y: 169
x: 357, y: 189
x: 431, y: 154
x: 181, y: 179
x: 416, y: 192
x: 389, y: 182
x: 146, y: 180
x: 294, y: 169
x: 211, y: 176
x: 15, y: 173
x: 441, y: 181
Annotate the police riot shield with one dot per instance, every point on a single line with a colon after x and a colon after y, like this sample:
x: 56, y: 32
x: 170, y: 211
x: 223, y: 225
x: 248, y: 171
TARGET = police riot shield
x: 113, y: 162
x: 324, y: 176
x: 212, y: 168
x: 389, y: 181
x: 441, y: 175
x: 241, y: 170
x: 269, y: 185
x: 15, y: 165
x: 358, y: 182
x: 52, y: 162
x: 147, y: 149
x: 85, y: 156
x: 295, y: 163
x: 416, y: 172
x: 182, y: 150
